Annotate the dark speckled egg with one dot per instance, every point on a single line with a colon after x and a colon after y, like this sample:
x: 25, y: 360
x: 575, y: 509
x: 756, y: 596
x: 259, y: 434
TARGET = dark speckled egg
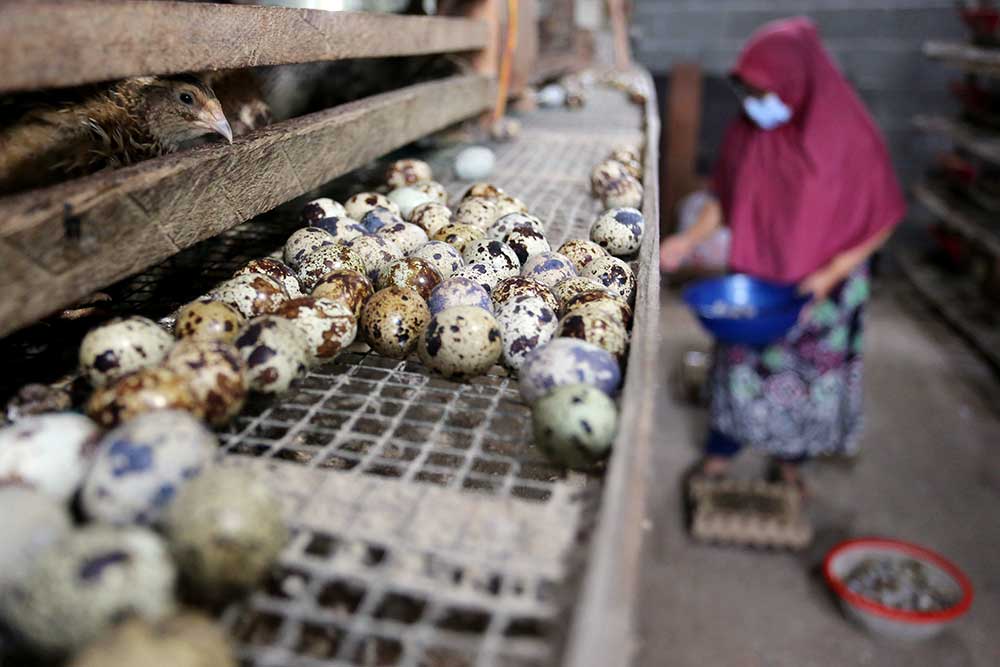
x: 567, y: 289
x: 121, y: 346
x: 305, y: 241
x: 619, y: 231
x: 476, y: 211
x: 496, y: 254
x: 459, y: 235
x: 602, y: 330
x: 624, y: 192
x: 568, y: 361
x: 328, y: 326
x: 507, y: 204
x: 407, y: 172
x: 432, y: 189
x: 527, y: 242
x: 143, y: 391
x: 341, y: 228
x: 407, y: 236
x: 411, y: 272
x: 317, y: 209
x: 461, y: 342
x: 442, y: 256
x: 276, y: 352
x: 606, y: 173
x: 459, y: 291
x: 376, y: 254
x: 485, y: 190
x: 614, y: 274
x: 363, y: 202
x: 252, y: 294
x: 548, y: 268
x: 379, y: 217
x: 215, y: 373
x: 276, y: 270
x: 602, y: 300
x: 526, y: 323
x: 431, y: 217
x: 512, y: 288
x: 505, y: 224
x: 329, y: 258
x: 393, y: 320
x: 208, y: 320
x: 581, y: 252
x: 352, y: 288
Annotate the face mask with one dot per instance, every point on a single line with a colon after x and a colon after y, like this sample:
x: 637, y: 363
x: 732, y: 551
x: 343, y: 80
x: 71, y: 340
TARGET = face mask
x: 768, y: 112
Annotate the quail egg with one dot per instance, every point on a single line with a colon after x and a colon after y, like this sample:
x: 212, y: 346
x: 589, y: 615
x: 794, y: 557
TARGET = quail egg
x: 526, y: 322
x: 474, y: 162
x: 619, y: 231
x: 496, y: 254
x: 88, y: 582
x: 37, y: 398
x: 140, y: 466
x: 443, y: 257
x: 459, y: 235
x: 145, y: 390
x: 548, y: 268
x: 564, y: 361
x: 324, y: 207
x: 575, y: 425
x: 122, y: 346
x: 526, y: 243
x: 511, y: 288
x: 328, y: 326
x: 341, y: 228
x: 225, y: 530
x: 303, y: 242
x: 459, y: 291
x: 615, y: 275
x: 485, y: 274
x: 605, y: 173
x: 507, y: 204
x: 629, y: 158
x: 186, y: 640
x: 407, y: 172
x: 434, y: 190
x: 363, y: 202
x: 49, y: 452
x: 208, y: 320
x: 461, y: 342
x: 603, y: 330
x: 276, y: 270
x: 600, y: 300
x: 476, y: 211
x: 276, y: 353
x: 485, y: 190
x: 407, y: 236
x: 506, y: 129
x: 31, y: 522
x: 216, y: 374
x: 252, y: 294
x: 352, y: 288
x: 327, y: 259
x: 393, y: 319
x: 505, y: 224
x: 431, y: 217
x: 625, y: 192
x: 379, y: 217
x: 376, y: 254
x: 409, y: 198
x: 566, y: 289
x: 581, y: 252
x: 412, y: 272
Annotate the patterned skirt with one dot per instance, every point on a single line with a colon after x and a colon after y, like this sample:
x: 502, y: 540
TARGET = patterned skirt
x: 801, y: 396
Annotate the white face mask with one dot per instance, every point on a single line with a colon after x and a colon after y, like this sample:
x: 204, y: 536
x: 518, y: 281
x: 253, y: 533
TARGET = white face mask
x: 768, y: 112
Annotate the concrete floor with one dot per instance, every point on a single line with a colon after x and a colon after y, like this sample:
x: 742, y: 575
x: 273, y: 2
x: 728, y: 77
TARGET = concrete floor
x: 929, y: 471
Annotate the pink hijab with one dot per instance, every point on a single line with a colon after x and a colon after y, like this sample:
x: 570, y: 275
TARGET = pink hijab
x: 796, y: 196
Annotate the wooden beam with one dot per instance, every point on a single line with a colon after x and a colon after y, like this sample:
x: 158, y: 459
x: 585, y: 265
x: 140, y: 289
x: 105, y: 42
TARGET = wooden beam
x: 680, y: 141
x: 127, y: 220
x: 526, y: 55
x: 51, y: 43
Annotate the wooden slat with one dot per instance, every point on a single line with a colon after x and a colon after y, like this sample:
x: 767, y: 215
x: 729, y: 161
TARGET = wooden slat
x: 981, y: 143
x: 52, y: 43
x: 959, y: 218
x: 974, y: 58
x: 132, y: 218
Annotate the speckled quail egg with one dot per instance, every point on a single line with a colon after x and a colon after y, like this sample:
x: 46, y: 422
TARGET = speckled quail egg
x: 606, y: 173
x: 505, y: 129
x: 431, y: 217
x: 512, y: 288
x: 461, y: 342
x: 575, y: 425
x: 507, y: 204
x: 459, y: 235
x: 413, y: 273
x: 225, y: 531
x: 141, y: 465
x: 564, y: 361
x: 352, y: 288
x: 37, y: 398
x: 376, y: 254
x: 363, y: 202
x: 88, y: 582
x: 276, y: 270
x: 459, y: 291
x: 566, y: 289
x: 446, y: 259
x: 525, y: 322
x: 122, y: 346
x: 325, y: 260
x: 432, y: 189
x: 276, y: 353
x: 253, y: 294
x: 185, y: 640
x: 379, y: 217
x: 407, y: 236
x: 505, y: 224
x: 49, y: 452
x: 409, y: 198
x: 474, y: 162
x: 485, y: 274
x: 476, y: 211
x: 215, y: 373
x: 407, y: 172
x: 601, y: 300
x: 581, y: 252
x: 629, y: 158
x: 303, y: 242
x: 393, y: 319
x: 614, y: 274
x: 619, y: 231
x: 328, y: 326
x: 31, y: 522
x: 548, y: 268
x: 625, y: 192
x: 341, y: 228
x: 208, y: 320
x: 486, y: 190
x: 496, y: 254
x: 603, y: 330
x: 324, y: 207
x: 527, y: 242
x: 145, y: 390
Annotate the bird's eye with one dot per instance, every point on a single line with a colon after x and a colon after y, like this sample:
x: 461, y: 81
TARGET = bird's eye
x: 187, y: 99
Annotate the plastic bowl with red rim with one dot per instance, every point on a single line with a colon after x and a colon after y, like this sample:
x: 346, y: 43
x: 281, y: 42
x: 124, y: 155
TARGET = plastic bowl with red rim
x: 944, y: 577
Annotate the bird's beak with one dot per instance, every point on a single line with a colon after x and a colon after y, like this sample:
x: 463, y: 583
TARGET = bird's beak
x: 214, y: 119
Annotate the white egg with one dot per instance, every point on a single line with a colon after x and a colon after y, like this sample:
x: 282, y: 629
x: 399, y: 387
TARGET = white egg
x: 48, y: 452
x: 31, y: 522
x: 409, y: 198
x: 121, y: 346
x: 474, y: 163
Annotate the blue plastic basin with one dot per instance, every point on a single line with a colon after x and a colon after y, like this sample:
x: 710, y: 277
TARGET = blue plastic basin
x: 741, y: 309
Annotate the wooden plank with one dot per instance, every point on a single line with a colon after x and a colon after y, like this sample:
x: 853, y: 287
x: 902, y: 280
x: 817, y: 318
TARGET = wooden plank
x: 51, y: 43
x: 964, y: 221
x: 680, y: 141
x: 526, y: 54
x: 130, y: 219
x: 981, y: 143
x: 973, y: 58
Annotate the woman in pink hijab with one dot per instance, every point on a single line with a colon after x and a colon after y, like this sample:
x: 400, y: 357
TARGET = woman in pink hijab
x: 806, y: 187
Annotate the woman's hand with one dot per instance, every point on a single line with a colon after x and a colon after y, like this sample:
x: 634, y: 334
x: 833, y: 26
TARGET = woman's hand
x: 821, y: 283
x: 673, y: 251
